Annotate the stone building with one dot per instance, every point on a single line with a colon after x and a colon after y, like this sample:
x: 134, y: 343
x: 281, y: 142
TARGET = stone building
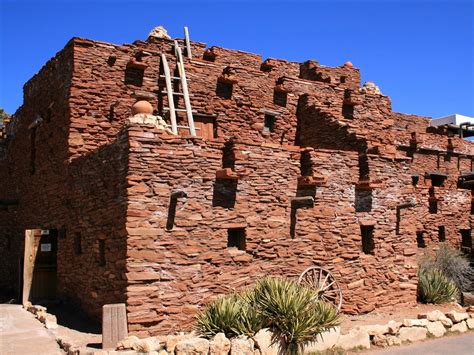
x: 123, y: 211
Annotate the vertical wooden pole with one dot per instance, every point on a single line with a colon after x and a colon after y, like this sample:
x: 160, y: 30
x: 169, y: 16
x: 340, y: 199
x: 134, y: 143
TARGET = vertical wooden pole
x: 114, y: 325
x: 188, y: 43
x: 184, y: 84
x: 32, y: 241
x: 169, y: 90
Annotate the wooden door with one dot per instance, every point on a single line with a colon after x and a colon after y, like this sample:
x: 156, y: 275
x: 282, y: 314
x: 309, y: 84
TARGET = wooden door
x: 204, y: 127
x: 43, y: 287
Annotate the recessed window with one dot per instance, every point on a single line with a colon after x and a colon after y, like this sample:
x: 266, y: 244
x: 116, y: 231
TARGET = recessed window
x: 441, y: 233
x: 269, y: 123
x: 236, y: 238
x: 78, y: 243
x: 224, y: 89
x: 348, y: 111
x: 134, y: 76
x: 101, y: 252
x: 368, y: 245
x: 433, y: 206
x: 33, y: 150
x: 472, y: 206
x: 466, y: 238
x: 415, y: 179
x: 343, y: 79
x: 280, y: 98
x: 420, y: 240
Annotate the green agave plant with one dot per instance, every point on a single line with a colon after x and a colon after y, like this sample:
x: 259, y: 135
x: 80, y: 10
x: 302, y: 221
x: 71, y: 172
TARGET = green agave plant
x: 293, y: 312
x: 435, y: 287
x: 231, y: 315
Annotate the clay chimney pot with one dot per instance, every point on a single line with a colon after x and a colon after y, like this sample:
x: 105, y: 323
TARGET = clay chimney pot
x: 142, y: 106
x: 348, y: 64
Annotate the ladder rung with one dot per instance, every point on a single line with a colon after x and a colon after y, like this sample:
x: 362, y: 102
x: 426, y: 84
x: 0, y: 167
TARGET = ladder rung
x: 196, y: 128
x: 178, y: 110
x: 171, y: 77
x: 176, y: 93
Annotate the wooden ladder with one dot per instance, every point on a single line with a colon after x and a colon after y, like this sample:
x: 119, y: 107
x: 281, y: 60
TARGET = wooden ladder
x: 171, y: 93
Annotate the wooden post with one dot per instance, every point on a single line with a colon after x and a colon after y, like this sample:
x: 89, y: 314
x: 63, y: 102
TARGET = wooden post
x: 188, y: 43
x: 184, y: 84
x: 114, y: 325
x: 169, y: 90
x: 32, y: 241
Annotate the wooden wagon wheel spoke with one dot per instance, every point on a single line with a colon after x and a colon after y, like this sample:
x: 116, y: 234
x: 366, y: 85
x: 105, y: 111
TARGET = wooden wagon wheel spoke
x: 322, y: 281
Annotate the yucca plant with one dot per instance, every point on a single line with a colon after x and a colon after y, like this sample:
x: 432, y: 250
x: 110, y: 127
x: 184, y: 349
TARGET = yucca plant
x: 452, y: 263
x: 294, y: 312
x: 435, y: 287
x: 231, y: 315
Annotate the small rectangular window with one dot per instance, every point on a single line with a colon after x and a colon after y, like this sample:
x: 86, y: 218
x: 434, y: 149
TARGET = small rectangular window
x: 367, y: 233
x: 134, y: 76
x: 420, y: 240
x: 236, y: 238
x: 433, y: 206
x: 33, y: 151
x: 466, y: 238
x: 269, y: 123
x: 348, y: 111
x: 343, y: 79
x: 441, y: 233
x: 101, y: 252
x: 280, y: 98
x: 78, y: 243
x: 224, y: 89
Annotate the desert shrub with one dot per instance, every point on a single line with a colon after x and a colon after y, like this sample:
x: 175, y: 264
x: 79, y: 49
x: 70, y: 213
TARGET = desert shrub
x: 293, y: 312
x: 232, y: 315
x: 452, y: 263
x: 435, y: 287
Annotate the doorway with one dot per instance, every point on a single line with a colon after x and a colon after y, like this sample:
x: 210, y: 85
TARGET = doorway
x: 40, y: 266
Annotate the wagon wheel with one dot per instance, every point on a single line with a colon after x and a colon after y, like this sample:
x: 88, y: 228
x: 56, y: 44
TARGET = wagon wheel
x: 324, y: 283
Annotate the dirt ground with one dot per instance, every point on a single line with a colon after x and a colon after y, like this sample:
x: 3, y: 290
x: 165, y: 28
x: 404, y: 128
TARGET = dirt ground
x: 398, y: 314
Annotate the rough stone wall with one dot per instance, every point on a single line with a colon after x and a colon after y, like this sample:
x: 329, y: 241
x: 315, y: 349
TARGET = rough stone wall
x: 103, y: 182
x: 173, y: 273
x: 85, y: 196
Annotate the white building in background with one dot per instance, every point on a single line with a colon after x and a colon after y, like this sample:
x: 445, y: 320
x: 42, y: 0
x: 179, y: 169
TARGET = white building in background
x: 460, y: 124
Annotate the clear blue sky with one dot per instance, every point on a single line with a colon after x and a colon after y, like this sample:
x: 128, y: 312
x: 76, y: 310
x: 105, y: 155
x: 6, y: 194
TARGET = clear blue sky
x: 418, y: 52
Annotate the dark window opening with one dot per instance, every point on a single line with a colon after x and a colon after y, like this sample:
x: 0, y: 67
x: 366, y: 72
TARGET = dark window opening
x: 420, y: 240
x: 437, y: 180
x: 101, y: 252
x: 415, y: 179
x: 472, y: 206
x: 441, y: 233
x: 363, y: 167
x: 236, y: 238
x: 228, y: 155
x: 433, y: 206
x: 280, y: 98
x: 224, y: 89
x: 306, y: 165
x: 348, y: 111
x: 78, y: 243
x: 466, y: 238
x: 343, y: 79
x: 269, y: 123
x: 368, y: 245
x: 33, y: 151
x: 363, y: 200
x: 134, y: 76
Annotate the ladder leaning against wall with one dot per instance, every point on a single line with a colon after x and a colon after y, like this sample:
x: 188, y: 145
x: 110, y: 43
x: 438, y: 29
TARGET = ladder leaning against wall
x: 184, y: 87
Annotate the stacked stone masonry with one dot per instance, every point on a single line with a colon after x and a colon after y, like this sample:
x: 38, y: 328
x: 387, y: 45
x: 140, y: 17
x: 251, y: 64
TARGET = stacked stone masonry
x: 157, y: 216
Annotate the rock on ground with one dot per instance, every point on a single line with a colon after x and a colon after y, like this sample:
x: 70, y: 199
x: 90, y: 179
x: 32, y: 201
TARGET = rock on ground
x: 219, y: 345
x: 436, y: 329
x: 241, y: 345
x: 460, y: 327
x: 457, y: 317
x: 356, y: 338
x: 412, y: 333
x: 194, y: 346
